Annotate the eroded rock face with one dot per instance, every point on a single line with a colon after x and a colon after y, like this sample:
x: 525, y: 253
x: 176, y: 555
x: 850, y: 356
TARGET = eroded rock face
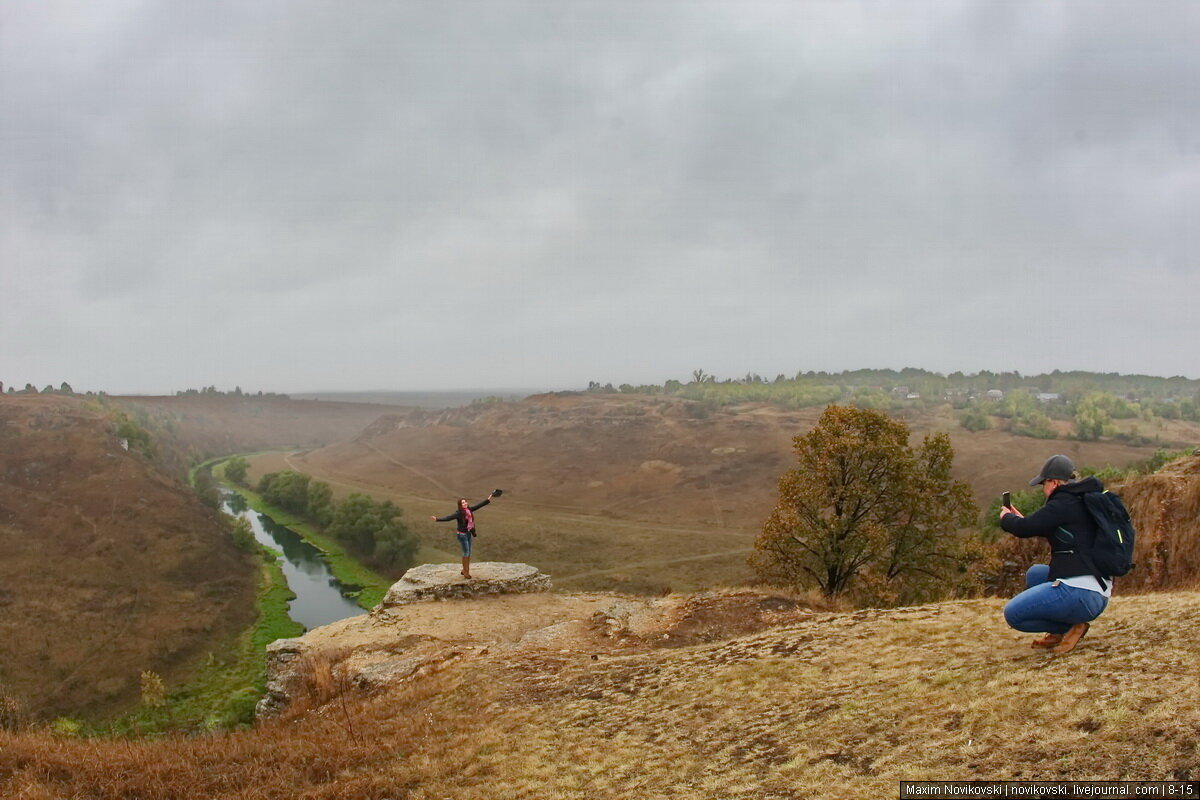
x: 444, y: 581
x: 283, y: 659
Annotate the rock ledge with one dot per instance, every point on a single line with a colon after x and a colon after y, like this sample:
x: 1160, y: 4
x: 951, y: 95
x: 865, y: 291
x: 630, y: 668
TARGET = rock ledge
x: 444, y: 581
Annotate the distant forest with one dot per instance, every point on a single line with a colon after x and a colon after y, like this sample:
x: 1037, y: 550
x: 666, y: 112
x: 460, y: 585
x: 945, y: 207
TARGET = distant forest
x: 213, y: 391
x: 207, y: 391
x: 1092, y: 401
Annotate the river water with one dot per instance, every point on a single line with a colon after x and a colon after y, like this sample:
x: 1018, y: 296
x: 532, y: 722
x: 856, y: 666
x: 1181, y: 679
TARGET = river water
x: 319, y: 599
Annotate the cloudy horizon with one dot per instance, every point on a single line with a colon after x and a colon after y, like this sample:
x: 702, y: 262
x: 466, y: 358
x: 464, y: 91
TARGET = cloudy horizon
x: 310, y: 196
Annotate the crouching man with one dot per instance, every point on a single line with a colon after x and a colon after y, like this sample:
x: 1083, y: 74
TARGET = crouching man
x: 1061, y: 597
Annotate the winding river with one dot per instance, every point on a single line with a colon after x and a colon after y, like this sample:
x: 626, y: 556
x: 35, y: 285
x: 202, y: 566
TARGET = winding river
x: 319, y: 595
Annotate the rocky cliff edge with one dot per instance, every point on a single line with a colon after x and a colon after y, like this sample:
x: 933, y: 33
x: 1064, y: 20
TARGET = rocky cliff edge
x: 433, y: 617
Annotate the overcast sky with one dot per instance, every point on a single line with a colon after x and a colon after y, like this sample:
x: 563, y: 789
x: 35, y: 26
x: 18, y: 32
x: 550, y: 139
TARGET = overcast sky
x: 288, y: 195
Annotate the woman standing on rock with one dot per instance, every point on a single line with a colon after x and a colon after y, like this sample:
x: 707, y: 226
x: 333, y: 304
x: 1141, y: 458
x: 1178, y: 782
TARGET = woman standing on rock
x: 464, y: 515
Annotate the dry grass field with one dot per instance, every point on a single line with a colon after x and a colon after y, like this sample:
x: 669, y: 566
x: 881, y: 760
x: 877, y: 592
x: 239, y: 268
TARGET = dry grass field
x: 629, y: 493
x: 107, y: 566
x: 820, y: 705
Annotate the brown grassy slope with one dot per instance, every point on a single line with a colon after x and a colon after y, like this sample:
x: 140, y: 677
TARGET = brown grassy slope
x: 107, y: 567
x: 650, y: 458
x: 1166, y: 508
x: 213, y: 426
x: 628, y: 492
x: 836, y: 705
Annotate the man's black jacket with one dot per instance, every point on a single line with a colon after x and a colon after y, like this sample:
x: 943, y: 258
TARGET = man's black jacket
x: 1066, y: 524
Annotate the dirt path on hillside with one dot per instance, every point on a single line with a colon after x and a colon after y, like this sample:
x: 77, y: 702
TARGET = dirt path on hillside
x: 544, y: 510
x: 445, y: 489
x: 655, y: 563
x: 628, y: 549
x: 358, y: 487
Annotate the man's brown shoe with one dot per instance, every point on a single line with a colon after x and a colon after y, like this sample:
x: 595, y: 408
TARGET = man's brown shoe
x: 1072, y: 637
x: 1049, y: 640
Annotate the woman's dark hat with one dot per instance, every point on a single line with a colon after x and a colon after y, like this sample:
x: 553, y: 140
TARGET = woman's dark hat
x: 1056, y: 468
x: 497, y: 492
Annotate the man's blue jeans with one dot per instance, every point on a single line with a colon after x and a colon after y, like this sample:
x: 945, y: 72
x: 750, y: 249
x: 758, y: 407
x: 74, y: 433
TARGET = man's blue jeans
x: 1051, y: 607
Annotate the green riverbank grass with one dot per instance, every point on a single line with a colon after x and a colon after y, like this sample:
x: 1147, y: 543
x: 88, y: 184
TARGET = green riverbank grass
x: 344, y: 567
x: 224, y: 690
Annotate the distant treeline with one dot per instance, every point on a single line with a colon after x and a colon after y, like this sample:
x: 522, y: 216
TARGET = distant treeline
x: 213, y: 391
x: 64, y: 388
x: 207, y: 391
x: 371, y: 530
x: 421, y: 399
x: 1091, y: 400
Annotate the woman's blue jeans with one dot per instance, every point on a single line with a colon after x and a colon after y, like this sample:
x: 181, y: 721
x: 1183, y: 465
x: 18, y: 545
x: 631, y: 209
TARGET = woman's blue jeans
x: 1051, y: 607
x: 464, y: 541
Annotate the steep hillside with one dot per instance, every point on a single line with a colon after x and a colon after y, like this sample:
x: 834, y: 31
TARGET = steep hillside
x: 220, y: 425
x: 107, y: 566
x: 738, y: 696
x: 1166, y: 507
x: 627, y: 492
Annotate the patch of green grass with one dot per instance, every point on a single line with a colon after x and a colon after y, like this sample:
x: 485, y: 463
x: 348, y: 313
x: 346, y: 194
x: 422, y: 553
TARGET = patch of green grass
x: 225, y: 689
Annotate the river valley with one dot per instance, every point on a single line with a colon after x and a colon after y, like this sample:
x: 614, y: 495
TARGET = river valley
x: 320, y: 597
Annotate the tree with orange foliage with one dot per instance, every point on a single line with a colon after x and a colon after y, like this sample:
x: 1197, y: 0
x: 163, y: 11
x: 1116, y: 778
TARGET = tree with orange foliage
x: 864, y: 511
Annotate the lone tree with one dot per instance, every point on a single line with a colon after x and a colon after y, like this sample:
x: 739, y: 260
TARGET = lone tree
x: 863, y: 506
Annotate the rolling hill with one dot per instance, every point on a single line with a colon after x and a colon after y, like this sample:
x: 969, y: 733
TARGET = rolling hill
x: 731, y: 693
x: 108, y: 567
x: 629, y: 492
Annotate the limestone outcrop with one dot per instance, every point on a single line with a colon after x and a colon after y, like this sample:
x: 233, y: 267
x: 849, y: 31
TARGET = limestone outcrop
x: 444, y: 582
x: 283, y: 662
x: 412, y: 631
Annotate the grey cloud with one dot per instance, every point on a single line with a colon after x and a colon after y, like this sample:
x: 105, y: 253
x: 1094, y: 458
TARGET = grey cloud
x: 850, y: 183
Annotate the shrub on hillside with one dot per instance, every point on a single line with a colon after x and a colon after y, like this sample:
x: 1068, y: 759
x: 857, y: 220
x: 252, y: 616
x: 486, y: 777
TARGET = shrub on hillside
x: 12, y: 713
x: 243, y: 535
x: 235, y: 470
x: 975, y: 419
x: 206, y: 489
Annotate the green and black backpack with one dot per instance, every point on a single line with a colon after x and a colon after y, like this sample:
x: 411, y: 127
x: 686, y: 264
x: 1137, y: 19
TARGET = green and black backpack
x: 1112, y: 552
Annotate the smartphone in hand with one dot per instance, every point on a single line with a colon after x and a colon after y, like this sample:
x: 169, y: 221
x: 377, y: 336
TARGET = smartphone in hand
x: 1006, y: 499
